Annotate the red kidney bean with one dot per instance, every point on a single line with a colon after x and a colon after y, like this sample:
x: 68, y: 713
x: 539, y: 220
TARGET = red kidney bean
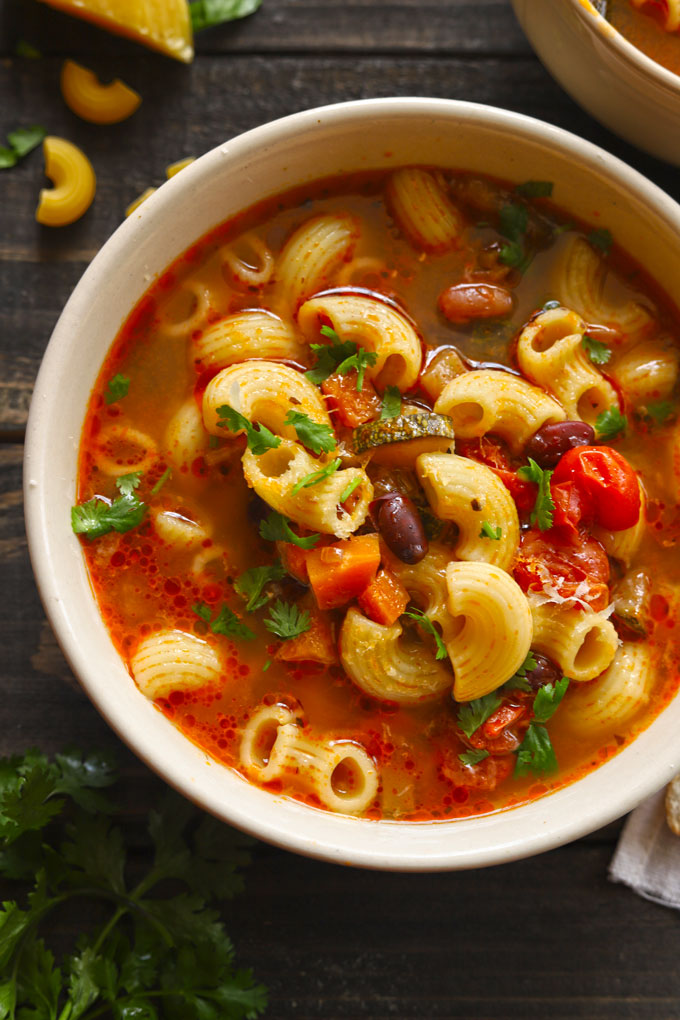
x: 465, y: 301
x: 551, y: 442
x: 397, y: 519
x: 544, y: 672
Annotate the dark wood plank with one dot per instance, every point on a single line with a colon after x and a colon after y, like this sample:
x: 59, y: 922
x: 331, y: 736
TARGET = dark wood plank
x: 432, y: 26
x: 184, y: 115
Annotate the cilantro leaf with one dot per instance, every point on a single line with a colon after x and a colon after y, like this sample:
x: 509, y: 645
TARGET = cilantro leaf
x: 258, y: 437
x: 82, y: 776
x: 349, y: 488
x: 426, y: 623
x: 535, y: 753
x: 602, y: 239
x: 548, y: 698
x: 598, y: 352
x: 8, y: 157
x: 473, y: 714
x: 208, y: 13
x: 610, y: 424
x: 161, y: 481
x: 544, y: 508
x: 26, y: 49
x: 391, y: 403
x: 226, y: 622
x: 126, y: 484
x: 359, y: 362
x: 287, y: 621
x: 473, y: 757
x: 329, y: 356
x: 513, y: 220
x: 276, y: 528
x: 519, y: 680
x: 660, y: 410
x: 317, y: 438
x: 21, y: 142
x: 117, y: 388
x: 535, y: 189
x: 488, y: 531
x: 314, y: 477
x: 251, y: 583
x: 98, y: 517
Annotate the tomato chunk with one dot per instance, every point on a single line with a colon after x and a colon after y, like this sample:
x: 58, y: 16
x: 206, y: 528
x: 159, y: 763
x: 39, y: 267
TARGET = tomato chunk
x: 342, y: 571
x: 294, y: 560
x: 385, y: 599
x: 490, y: 452
x: 352, y: 406
x: 572, y: 564
x: 606, y: 481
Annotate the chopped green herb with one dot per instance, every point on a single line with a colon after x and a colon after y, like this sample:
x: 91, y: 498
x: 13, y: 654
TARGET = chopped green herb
x: 488, y: 531
x: 258, y: 437
x: 544, y: 508
x: 276, y: 528
x: 149, y: 947
x: 358, y: 362
x: 519, y: 680
x: 252, y: 582
x: 535, y: 189
x: 391, y: 403
x: 429, y: 628
x: 473, y: 714
x: 266, y: 665
x: 548, y: 698
x: 287, y: 621
x: 660, y: 411
x: 208, y: 13
x: 117, y: 388
x: 21, y: 142
x: 349, y: 488
x: 226, y: 622
x: 602, y: 239
x: 535, y: 753
x: 213, y: 442
x: 317, y: 476
x: 329, y: 356
x: 98, y: 516
x: 161, y: 481
x: 513, y: 220
x: 598, y: 352
x: 610, y: 424
x: 473, y: 757
x: 317, y: 438
x: 26, y: 49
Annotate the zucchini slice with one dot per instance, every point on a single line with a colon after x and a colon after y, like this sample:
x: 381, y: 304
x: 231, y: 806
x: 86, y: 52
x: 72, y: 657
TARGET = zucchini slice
x: 398, y: 441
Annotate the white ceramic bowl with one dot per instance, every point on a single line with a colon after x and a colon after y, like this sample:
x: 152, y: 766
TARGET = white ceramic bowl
x: 288, y: 152
x: 619, y: 85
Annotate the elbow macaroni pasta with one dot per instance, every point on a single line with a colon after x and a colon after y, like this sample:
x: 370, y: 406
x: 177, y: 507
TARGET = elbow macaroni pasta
x: 254, y: 333
x: 469, y: 494
x: 582, y: 642
x: 371, y: 324
x: 185, y: 436
x: 494, y: 628
x: 311, y: 256
x: 121, y: 449
x: 74, y: 182
x: 623, y: 545
x: 88, y: 98
x: 487, y: 400
x: 241, y: 271
x: 648, y: 371
x: 174, y: 660
x: 550, y: 352
x: 423, y: 209
x: 340, y: 772
x: 615, y: 697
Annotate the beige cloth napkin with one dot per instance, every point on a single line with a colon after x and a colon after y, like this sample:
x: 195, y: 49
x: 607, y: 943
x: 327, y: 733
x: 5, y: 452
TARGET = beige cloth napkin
x: 647, y: 857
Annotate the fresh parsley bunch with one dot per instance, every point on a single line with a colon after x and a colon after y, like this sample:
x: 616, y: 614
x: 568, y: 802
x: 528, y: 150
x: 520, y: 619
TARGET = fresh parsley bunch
x: 162, y: 951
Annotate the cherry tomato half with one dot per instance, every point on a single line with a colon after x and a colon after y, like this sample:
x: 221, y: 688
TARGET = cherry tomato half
x: 606, y: 481
x: 574, y: 563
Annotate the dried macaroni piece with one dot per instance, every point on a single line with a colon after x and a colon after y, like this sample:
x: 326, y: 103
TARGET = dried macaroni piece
x: 88, y: 98
x: 74, y: 182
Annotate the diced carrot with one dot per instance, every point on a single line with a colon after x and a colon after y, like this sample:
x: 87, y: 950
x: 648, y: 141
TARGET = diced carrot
x: 385, y: 599
x: 294, y: 560
x: 352, y: 406
x: 315, y: 645
x: 341, y: 571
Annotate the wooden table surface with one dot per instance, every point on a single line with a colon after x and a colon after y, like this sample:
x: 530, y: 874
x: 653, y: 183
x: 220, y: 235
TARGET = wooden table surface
x: 547, y: 937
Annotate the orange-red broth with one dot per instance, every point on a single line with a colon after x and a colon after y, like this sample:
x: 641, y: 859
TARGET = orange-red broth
x: 643, y: 27
x: 143, y: 586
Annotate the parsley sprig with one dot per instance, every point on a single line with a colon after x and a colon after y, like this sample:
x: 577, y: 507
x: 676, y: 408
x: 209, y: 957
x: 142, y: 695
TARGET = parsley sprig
x: 535, y: 189
x: 536, y: 753
x: 117, y: 388
x: 314, y: 477
x: 426, y: 623
x: 518, y: 681
x: 598, y: 352
x: 21, y: 142
x: 258, y: 437
x: 473, y: 757
x: 513, y: 220
x: 660, y: 411
x: 610, y: 424
x: 358, y: 363
x: 544, y: 507
x: 488, y: 531
x: 342, y: 356
x: 602, y: 239
x: 287, y: 621
x: 252, y: 582
x: 161, y: 946
x: 316, y: 437
x: 208, y: 13
x: 99, y: 516
x: 276, y: 528
x: 226, y: 622
x: 391, y: 403
x: 473, y: 714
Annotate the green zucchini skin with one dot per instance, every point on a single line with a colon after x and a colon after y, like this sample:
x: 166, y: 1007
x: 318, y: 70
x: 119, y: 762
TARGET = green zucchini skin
x: 421, y: 425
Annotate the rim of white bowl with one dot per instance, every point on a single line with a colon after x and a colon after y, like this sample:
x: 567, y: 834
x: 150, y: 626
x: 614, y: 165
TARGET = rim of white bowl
x: 500, y: 837
x: 598, y: 23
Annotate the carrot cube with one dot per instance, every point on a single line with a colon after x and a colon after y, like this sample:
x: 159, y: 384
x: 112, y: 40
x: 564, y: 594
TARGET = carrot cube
x: 341, y: 571
x: 385, y: 599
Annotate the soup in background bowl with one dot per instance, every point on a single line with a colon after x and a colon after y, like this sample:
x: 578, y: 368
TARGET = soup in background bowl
x: 622, y: 68
x: 177, y: 580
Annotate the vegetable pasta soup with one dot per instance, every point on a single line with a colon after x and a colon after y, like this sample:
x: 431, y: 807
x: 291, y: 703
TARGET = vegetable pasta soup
x: 378, y: 495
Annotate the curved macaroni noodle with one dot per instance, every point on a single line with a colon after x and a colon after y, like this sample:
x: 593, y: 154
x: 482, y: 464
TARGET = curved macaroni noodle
x: 623, y: 545
x: 615, y: 697
x: 581, y: 641
x: 121, y: 449
x: 239, y: 268
x: 179, y: 531
x: 424, y: 210
x: 312, y: 254
x: 254, y: 333
x: 74, y: 182
x: 648, y: 372
x: 493, y: 625
x: 88, y: 98
x: 174, y: 660
x: 487, y: 400
x: 135, y: 204
x: 185, y: 436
